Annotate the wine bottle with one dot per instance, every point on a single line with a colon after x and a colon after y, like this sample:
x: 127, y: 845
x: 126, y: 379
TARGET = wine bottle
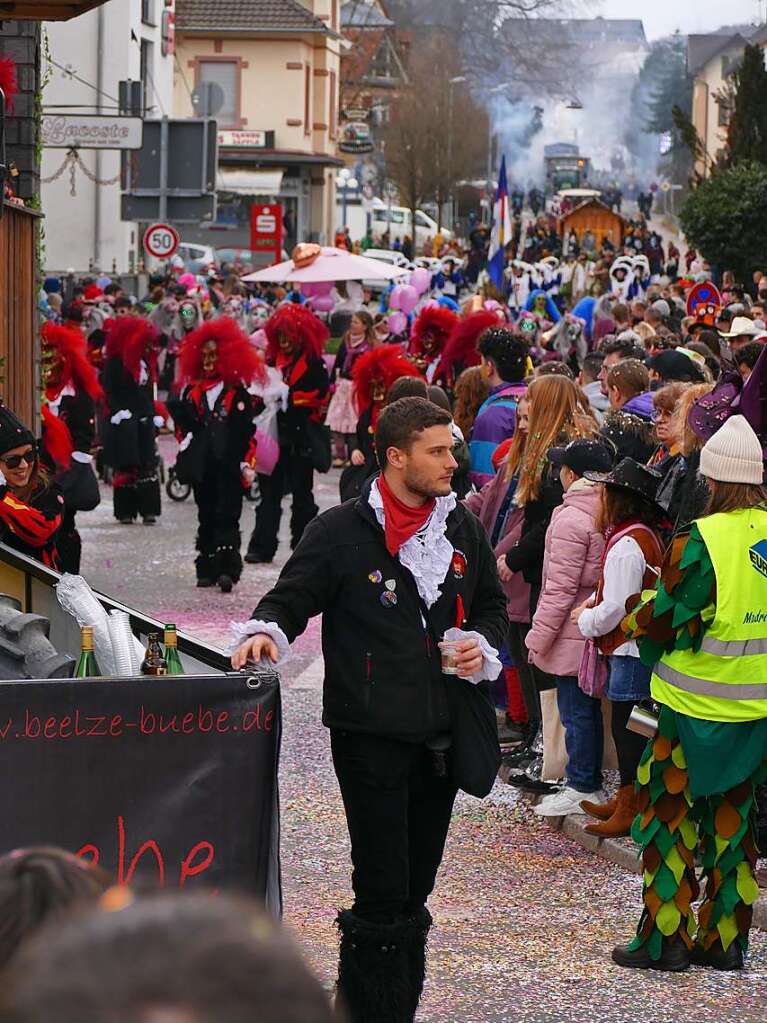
x: 87, y: 666
x: 154, y: 662
x: 172, y: 656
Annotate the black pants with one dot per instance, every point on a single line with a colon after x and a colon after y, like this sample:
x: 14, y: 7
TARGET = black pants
x: 219, y: 506
x: 629, y: 746
x: 293, y: 474
x: 69, y: 544
x: 398, y: 814
x: 532, y: 680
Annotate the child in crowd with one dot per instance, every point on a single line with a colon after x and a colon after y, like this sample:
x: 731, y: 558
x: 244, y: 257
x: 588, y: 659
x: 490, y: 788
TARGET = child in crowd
x: 571, y: 567
x: 630, y: 520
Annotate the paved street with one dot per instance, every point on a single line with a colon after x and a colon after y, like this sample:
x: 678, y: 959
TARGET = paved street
x: 525, y: 918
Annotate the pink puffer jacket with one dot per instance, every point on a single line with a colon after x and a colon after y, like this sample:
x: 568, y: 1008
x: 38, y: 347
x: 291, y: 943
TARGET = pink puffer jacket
x: 571, y: 566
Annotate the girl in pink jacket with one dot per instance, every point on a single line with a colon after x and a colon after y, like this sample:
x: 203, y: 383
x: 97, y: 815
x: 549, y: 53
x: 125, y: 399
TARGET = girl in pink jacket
x: 571, y: 567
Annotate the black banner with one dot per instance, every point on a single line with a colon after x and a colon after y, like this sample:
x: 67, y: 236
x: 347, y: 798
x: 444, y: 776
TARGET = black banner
x: 170, y: 781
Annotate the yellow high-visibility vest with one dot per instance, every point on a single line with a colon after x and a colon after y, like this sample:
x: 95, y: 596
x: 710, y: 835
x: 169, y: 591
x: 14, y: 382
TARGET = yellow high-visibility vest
x: 726, y: 680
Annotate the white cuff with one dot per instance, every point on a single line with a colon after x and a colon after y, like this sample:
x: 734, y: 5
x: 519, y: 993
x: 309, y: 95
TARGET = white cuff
x: 3, y: 481
x: 491, y: 665
x: 186, y: 442
x: 118, y: 417
x: 82, y: 456
x: 159, y: 422
x: 241, y: 630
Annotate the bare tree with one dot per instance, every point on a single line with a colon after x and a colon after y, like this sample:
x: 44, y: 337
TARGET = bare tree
x: 438, y: 134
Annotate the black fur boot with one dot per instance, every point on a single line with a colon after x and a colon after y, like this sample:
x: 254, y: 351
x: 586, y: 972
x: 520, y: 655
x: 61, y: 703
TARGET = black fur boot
x: 228, y: 560
x: 419, y: 925
x: 125, y: 502
x: 205, y: 567
x: 149, y: 503
x: 374, y: 983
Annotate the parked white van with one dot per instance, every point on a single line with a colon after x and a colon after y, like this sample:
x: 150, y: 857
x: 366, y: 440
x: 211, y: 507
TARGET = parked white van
x: 398, y: 226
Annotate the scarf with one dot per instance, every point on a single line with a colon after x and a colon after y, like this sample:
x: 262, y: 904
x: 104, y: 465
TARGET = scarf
x: 401, y: 521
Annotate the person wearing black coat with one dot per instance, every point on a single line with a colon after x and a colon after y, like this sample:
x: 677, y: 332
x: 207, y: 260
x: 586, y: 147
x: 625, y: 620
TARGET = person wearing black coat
x: 295, y: 344
x: 129, y: 378
x: 392, y: 572
x: 72, y: 394
x: 214, y: 422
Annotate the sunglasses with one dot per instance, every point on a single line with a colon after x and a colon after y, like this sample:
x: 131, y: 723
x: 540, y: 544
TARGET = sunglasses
x: 30, y: 457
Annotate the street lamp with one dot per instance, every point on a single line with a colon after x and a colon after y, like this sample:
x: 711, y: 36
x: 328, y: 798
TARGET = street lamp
x: 490, y: 133
x: 345, y: 182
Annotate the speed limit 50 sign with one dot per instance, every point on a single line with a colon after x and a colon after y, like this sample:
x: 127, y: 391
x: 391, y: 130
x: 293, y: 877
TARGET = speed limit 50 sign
x: 161, y: 240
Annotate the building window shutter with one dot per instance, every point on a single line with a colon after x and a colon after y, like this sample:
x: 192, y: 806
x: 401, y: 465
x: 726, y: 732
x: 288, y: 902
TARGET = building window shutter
x: 333, y: 106
x: 307, y: 100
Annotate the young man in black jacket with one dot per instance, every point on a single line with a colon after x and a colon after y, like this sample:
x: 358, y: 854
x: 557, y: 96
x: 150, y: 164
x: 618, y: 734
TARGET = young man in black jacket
x: 393, y: 572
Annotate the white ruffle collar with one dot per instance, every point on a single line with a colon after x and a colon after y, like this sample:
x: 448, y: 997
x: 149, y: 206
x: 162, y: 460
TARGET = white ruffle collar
x: 428, y: 554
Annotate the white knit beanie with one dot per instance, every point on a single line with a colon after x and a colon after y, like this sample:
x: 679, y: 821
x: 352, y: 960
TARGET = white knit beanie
x: 733, y: 454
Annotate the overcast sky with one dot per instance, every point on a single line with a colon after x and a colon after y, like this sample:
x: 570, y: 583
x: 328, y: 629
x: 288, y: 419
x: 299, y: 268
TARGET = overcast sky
x: 661, y: 17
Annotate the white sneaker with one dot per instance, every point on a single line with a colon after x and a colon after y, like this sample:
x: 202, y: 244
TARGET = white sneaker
x: 568, y: 800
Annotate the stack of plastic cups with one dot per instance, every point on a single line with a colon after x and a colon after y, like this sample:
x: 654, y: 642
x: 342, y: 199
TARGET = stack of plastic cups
x: 122, y: 644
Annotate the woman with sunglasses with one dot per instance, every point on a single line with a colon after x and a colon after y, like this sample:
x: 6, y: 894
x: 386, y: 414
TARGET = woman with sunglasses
x: 31, y: 507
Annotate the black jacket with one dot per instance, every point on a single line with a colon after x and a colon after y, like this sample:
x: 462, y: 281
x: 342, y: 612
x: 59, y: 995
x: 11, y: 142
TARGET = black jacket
x: 526, y: 556
x: 382, y: 664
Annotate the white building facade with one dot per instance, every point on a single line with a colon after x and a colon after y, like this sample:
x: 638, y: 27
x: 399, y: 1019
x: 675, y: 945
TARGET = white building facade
x: 84, y: 60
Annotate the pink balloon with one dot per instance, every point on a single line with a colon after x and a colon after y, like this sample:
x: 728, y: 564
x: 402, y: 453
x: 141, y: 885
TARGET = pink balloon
x: 397, y: 322
x: 420, y: 279
x: 323, y: 304
x: 408, y: 299
x: 431, y: 304
x: 394, y: 296
x: 310, y: 289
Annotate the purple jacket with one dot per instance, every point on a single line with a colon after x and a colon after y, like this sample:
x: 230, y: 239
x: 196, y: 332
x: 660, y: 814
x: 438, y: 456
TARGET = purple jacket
x: 571, y: 566
x: 495, y: 422
x: 640, y: 405
x: 486, y: 505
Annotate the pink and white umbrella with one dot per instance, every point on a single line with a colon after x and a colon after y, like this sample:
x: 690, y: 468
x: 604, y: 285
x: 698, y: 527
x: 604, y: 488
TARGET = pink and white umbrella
x: 313, y: 264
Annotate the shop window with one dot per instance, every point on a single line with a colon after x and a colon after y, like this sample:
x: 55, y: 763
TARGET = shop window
x: 225, y: 74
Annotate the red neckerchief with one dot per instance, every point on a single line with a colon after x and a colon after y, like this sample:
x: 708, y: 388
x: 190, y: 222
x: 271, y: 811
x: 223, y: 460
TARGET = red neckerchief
x: 400, y: 520
x: 197, y: 394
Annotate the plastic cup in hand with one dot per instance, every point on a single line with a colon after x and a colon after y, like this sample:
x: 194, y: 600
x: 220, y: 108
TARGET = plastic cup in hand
x: 449, y: 655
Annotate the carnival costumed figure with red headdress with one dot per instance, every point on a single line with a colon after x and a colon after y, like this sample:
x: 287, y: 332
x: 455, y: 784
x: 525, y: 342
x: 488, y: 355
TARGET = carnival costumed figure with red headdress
x: 295, y: 342
x: 372, y: 375
x: 460, y: 351
x: 214, y: 419
x: 72, y: 393
x: 431, y: 329
x: 129, y: 379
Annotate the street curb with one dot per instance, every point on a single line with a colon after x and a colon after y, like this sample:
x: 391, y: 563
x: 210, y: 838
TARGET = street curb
x: 622, y: 852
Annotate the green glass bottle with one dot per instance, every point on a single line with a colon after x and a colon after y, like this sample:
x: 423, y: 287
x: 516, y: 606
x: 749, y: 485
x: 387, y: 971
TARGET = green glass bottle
x: 172, y: 656
x: 87, y: 666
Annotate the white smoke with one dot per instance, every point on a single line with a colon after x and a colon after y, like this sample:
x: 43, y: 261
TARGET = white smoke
x: 596, y: 118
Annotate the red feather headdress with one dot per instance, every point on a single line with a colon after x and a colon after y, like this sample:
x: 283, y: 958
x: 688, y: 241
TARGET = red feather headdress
x: 238, y: 360
x: 434, y: 319
x: 461, y: 347
x: 76, y: 368
x: 131, y: 339
x: 304, y: 329
x: 386, y: 363
x: 8, y: 81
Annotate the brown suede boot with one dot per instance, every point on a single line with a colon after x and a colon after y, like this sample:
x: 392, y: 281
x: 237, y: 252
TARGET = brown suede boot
x: 619, y: 825
x: 602, y: 811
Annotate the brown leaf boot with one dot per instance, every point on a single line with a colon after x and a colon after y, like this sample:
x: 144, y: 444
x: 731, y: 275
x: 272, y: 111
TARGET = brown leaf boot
x: 602, y: 811
x: 619, y: 825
